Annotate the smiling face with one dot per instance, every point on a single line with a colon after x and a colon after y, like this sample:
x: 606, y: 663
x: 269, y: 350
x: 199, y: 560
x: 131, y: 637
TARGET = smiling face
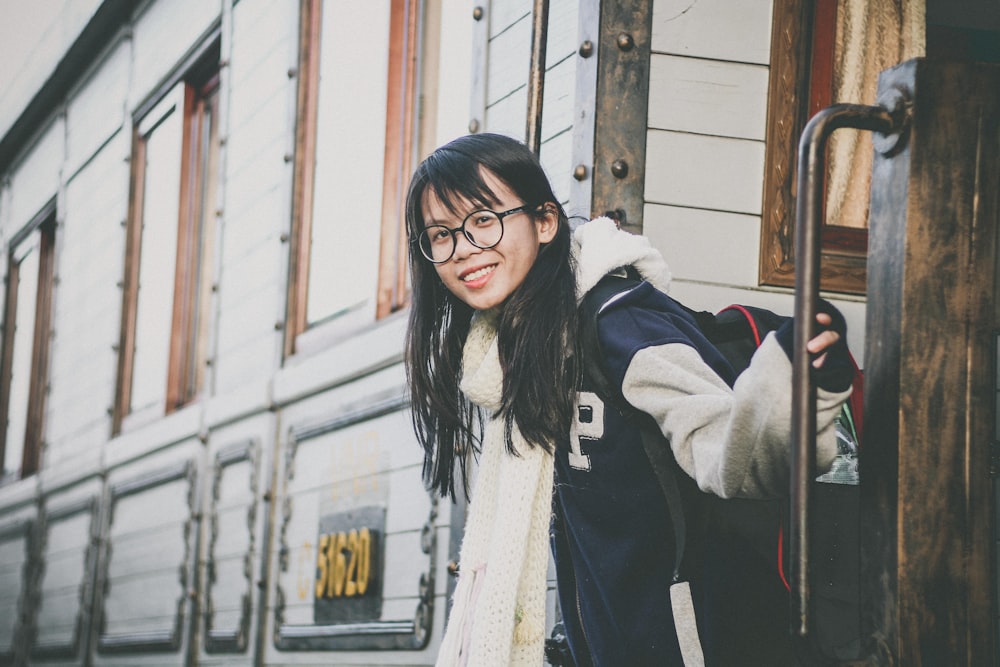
x: 484, y: 278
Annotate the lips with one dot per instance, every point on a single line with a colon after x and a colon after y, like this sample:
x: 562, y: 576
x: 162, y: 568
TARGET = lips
x: 473, y: 276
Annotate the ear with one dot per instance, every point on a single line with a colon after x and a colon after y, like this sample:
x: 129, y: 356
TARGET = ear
x: 547, y: 222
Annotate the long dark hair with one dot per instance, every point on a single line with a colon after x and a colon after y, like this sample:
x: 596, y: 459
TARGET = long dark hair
x: 536, y: 331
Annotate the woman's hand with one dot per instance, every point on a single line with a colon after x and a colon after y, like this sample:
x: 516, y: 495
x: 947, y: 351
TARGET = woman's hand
x: 831, y: 361
x: 824, y: 340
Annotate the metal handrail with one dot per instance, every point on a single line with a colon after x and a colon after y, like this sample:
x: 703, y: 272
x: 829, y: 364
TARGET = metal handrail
x: 808, y: 227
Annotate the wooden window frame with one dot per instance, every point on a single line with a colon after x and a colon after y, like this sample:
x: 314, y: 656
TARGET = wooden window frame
x: 189, y: 338
x: 45, y: 223
x: 402, y: 122
x: 801, y: 83
x: 192, y: 278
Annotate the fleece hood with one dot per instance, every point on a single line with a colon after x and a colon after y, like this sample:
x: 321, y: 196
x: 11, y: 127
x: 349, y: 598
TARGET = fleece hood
x: 600, y: 247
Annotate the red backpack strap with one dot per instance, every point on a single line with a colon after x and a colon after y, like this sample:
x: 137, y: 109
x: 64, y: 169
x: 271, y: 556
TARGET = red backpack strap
x: 750, y: 321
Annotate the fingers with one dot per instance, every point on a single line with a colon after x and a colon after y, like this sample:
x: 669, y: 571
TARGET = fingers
x: 823, y: 341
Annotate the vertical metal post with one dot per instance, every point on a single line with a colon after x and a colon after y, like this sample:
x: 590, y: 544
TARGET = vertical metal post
x: 536, y: 74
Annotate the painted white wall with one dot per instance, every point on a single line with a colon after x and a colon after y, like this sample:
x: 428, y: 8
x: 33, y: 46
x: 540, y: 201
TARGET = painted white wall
x: 705, y: 154
x: 33, y: 37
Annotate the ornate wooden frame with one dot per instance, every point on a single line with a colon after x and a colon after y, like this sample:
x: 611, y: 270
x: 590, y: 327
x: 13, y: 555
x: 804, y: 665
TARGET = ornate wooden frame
x: 843, y: 268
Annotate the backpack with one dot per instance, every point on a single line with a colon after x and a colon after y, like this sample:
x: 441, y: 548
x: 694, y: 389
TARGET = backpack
x: 733, y: 549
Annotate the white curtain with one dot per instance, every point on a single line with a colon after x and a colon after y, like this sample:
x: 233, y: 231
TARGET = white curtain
x: 872, y: 35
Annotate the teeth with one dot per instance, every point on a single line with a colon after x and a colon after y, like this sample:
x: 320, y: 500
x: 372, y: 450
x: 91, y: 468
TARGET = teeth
x: 478, y: 274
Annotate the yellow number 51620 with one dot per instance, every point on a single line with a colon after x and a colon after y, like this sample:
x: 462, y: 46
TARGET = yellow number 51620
x: 344, y: 564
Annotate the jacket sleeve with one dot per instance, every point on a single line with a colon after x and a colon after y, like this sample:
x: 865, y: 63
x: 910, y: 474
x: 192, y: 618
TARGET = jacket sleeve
x: 732, y: 442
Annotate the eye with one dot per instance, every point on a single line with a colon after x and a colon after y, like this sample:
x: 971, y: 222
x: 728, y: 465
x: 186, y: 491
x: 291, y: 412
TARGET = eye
x: 484, y: 218
x: 438, y: 234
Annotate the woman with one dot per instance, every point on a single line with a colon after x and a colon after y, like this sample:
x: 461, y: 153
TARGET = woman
x: 497, y: 277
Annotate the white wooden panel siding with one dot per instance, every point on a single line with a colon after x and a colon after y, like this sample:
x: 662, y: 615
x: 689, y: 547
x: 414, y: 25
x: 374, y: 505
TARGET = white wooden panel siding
x: 509, y: 61
x: 253, y: 357
x: 87, y: 304
x: 36, y: 180
x: 162, y: 34
x: 562, y: 33
x: 704, y: 172
x: 556, y: 159
x: 504, y: 13
x: 454, y: 81
x: 716, y: 29
x: 265, y: 42
x: 708, y: 97
x: 257, y: 194
x: 560, y: 89
x: 509, y: 115
x: 34, y: 37
x: 702, y: 245
x: 96, y: 110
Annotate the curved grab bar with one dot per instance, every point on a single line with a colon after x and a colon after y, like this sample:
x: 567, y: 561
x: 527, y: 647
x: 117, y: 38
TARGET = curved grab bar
x: 808, y: 226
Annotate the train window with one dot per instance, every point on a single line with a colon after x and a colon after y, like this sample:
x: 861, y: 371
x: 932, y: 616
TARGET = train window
x: 25, y: 345
x: 825, y: 52
x: 169, y: 272
x: 354, y: 154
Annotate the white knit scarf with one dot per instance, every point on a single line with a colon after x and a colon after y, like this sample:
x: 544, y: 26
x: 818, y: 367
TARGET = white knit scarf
x: 498, y: 613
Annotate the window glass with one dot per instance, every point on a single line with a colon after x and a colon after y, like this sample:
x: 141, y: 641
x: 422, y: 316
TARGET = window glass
x: 350, y: 155
x: 201, y: 261
x: 157, y: 261
x: 25, y: 294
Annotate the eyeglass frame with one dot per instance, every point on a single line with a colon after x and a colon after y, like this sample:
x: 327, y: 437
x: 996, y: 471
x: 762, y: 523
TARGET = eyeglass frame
x: 453, y: 232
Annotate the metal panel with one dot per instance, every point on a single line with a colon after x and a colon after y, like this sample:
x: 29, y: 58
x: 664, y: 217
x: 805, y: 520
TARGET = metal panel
x: 332, y: 468
x: 147, y: 565
x: 69, y: 556
x: 235, y: 512
x: 622, y: 106
x: 18, y: 574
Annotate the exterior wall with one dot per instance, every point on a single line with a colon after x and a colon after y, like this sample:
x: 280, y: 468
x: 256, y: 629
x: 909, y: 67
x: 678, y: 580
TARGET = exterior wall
x: 705, y: 154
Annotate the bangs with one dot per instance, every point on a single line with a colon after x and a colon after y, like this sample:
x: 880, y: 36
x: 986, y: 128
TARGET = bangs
x: 455, y: 182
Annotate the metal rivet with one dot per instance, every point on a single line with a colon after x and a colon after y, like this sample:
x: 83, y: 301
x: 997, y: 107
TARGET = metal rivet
x: 619, y: 168
x: 477, y: 13
x: 278, y: 326
x: 473, y: 126
x: 288, y: 157
x: 292, y: 72
x: 284, y: 237
x: 586, y: 49
x: 580, y: 172
x: 625, y: 41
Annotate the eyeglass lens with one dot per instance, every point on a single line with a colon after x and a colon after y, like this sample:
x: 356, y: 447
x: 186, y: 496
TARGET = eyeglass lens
x: 483, y: 229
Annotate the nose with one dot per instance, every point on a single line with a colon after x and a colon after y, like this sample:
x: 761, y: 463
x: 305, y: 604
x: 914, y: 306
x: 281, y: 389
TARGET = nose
x: 463, y: 246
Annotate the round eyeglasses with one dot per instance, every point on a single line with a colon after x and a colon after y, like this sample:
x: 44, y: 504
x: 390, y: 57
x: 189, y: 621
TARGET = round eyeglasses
x: 484, y: 229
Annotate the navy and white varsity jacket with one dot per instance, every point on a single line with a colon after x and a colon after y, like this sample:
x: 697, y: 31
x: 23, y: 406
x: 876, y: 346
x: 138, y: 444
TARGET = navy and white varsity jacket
x: 611, y: 532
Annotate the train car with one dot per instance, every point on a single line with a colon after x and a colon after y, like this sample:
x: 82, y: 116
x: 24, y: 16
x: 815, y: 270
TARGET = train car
x: 207, y: 454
